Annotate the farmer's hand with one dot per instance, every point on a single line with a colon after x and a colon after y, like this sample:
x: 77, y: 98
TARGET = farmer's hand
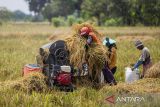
x: 132, y: 64
x: 86, y: 47
x: 141, y: 76
x: 132, y: 68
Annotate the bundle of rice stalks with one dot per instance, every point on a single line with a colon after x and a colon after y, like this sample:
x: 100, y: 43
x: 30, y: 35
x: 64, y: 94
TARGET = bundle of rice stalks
x: 95, y: 56
x: 153, y: 72
x: 147, y: 85
x: 76, y: 48
x: 29, y: 83
x: 77, y: 28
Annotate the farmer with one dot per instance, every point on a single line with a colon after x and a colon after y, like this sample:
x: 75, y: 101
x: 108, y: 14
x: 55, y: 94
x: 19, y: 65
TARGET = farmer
x: 111, y: 45
x: 144, y: 59
x: 89, y: 35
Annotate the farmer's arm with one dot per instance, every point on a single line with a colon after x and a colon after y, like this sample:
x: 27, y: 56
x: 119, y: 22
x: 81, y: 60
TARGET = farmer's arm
x: 141, y: 60
x: 112, y: 55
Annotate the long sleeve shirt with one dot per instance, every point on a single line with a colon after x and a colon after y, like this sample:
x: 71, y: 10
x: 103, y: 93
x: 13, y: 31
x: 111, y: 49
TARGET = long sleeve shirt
x: 112, y: 58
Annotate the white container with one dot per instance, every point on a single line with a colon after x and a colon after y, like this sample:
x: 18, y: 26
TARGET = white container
x: 131, y: 76
x: 66, y: 69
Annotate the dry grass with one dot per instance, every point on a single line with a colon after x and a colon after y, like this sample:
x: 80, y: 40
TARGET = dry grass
x: 154, y: 71
x: 19, y: 44
x: 36, y: 82
x: 95, y: 56
x: 133, y: 38
x: 29, y: 83
x: 77, y: 28
x: 147, y: 85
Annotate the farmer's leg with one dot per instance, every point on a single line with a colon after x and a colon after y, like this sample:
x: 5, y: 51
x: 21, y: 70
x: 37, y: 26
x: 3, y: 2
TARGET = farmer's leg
x: 108, y: 76
x: 113, y: 70
x: 145, y: 68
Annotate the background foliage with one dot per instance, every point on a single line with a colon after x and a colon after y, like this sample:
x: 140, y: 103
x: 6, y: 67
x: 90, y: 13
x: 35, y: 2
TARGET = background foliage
x: 101, y: 12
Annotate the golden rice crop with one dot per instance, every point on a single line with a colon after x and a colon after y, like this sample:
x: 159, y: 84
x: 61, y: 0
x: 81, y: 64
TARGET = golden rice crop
x: 153, y: 72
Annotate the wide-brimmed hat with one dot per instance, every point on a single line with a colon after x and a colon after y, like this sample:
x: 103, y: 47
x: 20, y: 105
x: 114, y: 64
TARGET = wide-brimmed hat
x: 138, y: 43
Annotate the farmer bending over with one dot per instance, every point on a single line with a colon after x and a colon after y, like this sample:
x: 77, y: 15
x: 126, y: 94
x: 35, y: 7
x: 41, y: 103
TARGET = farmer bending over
x: 144, y: 59
x: 112, y: 48
x: 91, y: 37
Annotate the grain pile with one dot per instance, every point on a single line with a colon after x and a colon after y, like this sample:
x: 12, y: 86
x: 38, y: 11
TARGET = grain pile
x: 28, y: 83
x: 146, y: 85
x: 153, y: 72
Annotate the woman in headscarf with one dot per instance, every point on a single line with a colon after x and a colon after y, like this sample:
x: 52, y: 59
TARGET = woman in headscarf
x: 112, y: 48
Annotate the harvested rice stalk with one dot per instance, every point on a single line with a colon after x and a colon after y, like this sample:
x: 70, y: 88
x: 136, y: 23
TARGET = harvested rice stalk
x: 146, y: 85
x: 153, y: 72
x: 95, y: 56
x: 76, y: 48
x: 29, y: 83
x: 77, y: 28
x: 34, y: 82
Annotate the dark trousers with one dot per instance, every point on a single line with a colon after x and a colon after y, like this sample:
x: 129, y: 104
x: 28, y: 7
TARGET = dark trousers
x: 113, y: 70
x: 108, y: 75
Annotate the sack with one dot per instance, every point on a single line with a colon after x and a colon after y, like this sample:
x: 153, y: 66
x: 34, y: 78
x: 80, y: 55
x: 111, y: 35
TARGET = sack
x: 131, y: 76
x: 28, y: 68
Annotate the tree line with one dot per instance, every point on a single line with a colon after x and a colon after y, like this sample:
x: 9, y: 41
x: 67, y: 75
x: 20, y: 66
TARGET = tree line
x: 120, y: 12
x: 6, y: 15
x: 101, y: 12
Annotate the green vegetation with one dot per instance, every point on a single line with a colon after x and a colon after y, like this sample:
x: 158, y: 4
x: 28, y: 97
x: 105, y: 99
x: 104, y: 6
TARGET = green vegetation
x: 131, y: 12
x: 6, y: 15
x: 102, y: 12
x: 19, y: 46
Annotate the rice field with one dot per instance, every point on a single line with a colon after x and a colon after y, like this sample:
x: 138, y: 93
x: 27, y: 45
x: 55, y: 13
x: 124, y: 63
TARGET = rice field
x: 19, y: 45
